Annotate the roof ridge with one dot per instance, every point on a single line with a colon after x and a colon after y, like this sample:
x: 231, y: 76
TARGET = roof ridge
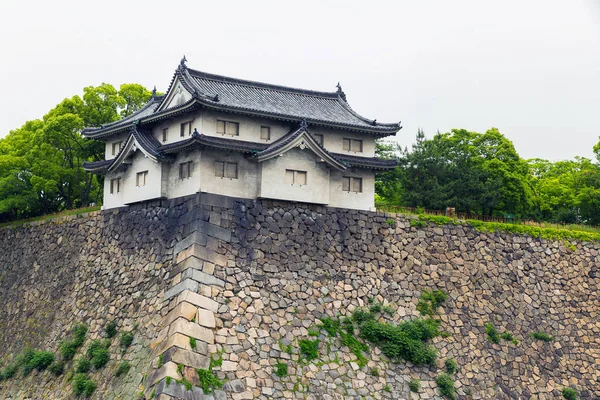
x: 261, y: 85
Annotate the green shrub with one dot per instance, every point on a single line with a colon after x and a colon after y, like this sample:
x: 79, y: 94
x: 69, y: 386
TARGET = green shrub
x: 509, y: 337
x: 492, y: 333
x: 418, y: 223
x: 34, y: 359
x: 309, y: 349
x: 208, y: 380
x: 331, y: 326
x: 110, y: 330
x: 406, y: 340
x: 542, y: 336
x: 126, y: 340
x: 68, y: 347
x: 375, y: 308
x: 100, y: 358
x: 430, y: 301
x: 57, y: 367
x: 391, y: 222
x: 83, y: 366
x: 356, y: 347
x: 414, y: 385
x: 9, y: 371
x: 192, y: 342
x: 389, y: 310
x: 281, y: 369
x: 446, y: 386
x: 569, y: 394
x: 83, y: 385
x: 451, y: 365
x: 123, y: 368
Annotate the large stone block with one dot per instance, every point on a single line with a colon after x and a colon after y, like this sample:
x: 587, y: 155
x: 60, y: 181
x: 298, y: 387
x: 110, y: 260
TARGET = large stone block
x: 202, y: 277
x: 198, y: 300
x: 195, y: 237
x: 206, y: 318
x: 202, y: 253
x: 173, y: 340
x: 167, y: 369
x: 185, y: 284
x: 187, y: 358
x: 190, y: 262
x: 182, y: 310
x: 191, y: 329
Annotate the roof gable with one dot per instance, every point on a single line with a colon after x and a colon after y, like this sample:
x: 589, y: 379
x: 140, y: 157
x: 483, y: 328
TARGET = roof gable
x: 302, y: 139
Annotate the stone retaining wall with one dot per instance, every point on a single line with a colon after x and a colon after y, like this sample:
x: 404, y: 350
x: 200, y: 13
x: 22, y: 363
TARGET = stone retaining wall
x: 248, y: 279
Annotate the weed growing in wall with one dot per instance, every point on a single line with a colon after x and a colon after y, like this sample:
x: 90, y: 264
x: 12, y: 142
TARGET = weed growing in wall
x: 509, y: 337
x: 281, y: 369
x: 543, y: 336
x: 309, y: 349
x: 110, y: 330
x: 123, y: 368
x: 414, y: 385
x: 446, y: 386
x: 82, y: 385
x: 125, y: 340
x: 82, y: 366
x: 192, y: 342
x: 57, y: 367
x: 451, y: 365
x: 34, y: 359
x: 492, y: 333
x: 98, y: 353
x: 68, y: 347
x: 569, y: 393
x: 430, y: 301
x: 208, y: 380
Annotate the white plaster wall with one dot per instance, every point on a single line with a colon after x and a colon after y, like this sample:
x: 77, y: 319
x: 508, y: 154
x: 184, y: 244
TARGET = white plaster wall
x: 249, y: 126
x: 274, y: 186
x: 152, y: 189
x: 245, y: 186
x: 182, y: 187
x: 360, y: 201
x: 333, y: 141
x: 174, y: 126
x: 122, y: 137
x: 176, y: 96
x: 112, y: 200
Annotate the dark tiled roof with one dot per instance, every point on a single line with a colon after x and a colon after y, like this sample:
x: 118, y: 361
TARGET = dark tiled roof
x: 147, y: 141
x: 97, y: 166
x: 366, y: 162
x: 199, y: 139
x: 252, y: 98
x: 147, y: 110
x: 329, y: 108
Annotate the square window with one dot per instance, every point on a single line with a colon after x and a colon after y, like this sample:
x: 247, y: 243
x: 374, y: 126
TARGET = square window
x: 140, y: 178
x: 346, y: 184
x: 221, y: 127
x: 265, y: 133
x: 353, y: 145
x: 115, y: 185
x: 347, y: 144
x: 116, y: 147
x: 351, y: 184
x: 226, y: 170
x: 231, y: 171
x: 228, y: 128
x: 295, y: 177
x: 186, y: 126
x: 185, y: 170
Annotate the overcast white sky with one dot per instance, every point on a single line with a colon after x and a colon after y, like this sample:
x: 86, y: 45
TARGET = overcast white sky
x: 530, y: 68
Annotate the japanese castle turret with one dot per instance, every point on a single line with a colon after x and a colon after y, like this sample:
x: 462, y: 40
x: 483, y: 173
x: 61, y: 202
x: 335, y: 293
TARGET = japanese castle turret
x: 245, y: 139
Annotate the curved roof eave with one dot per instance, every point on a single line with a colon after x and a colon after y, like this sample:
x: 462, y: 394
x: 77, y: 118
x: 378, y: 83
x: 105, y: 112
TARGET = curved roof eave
x: 303, y: 139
